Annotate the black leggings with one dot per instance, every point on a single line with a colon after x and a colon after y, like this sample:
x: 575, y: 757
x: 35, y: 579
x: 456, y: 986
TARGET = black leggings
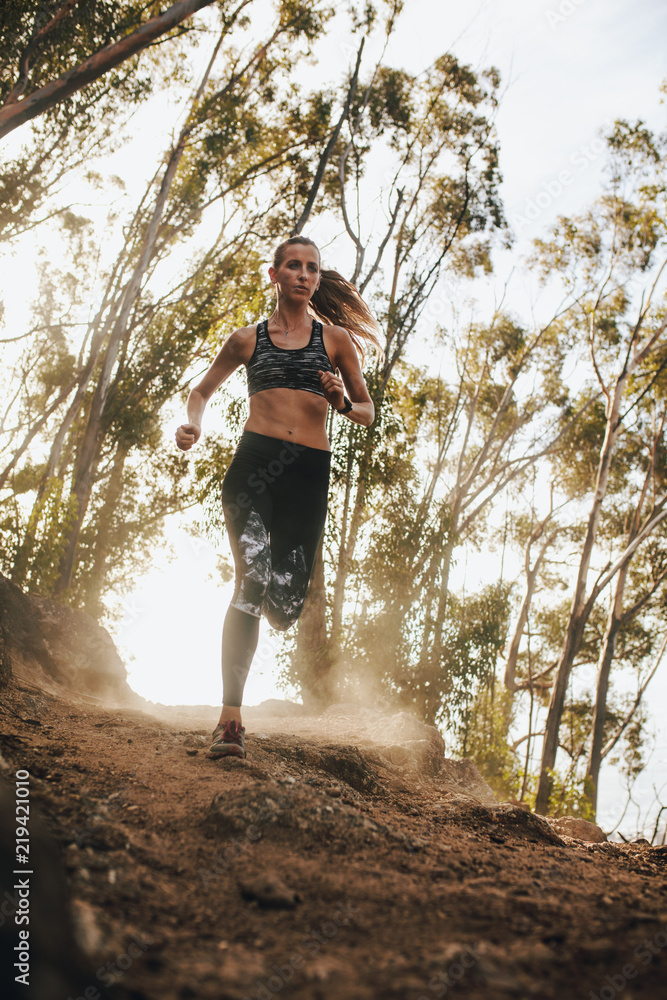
x: 274, y: 497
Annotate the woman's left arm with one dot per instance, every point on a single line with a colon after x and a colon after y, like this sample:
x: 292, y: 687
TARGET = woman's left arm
x: 346, y: 359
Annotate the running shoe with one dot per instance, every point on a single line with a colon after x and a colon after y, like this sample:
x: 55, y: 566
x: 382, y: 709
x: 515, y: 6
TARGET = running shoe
x: 228, y: 740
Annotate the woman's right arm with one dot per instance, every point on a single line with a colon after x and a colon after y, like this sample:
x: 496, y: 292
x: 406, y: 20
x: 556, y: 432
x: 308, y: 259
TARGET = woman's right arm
x: 232, y: 354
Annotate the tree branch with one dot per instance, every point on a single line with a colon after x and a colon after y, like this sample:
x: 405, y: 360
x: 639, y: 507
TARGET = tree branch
x: 611, y: 743
x: 97, y: 65
x: 330, y: 146
x: 31, y: 47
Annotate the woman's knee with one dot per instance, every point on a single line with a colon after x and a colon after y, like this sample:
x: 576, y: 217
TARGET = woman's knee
x: 279, y: 616
x: 286, y: 593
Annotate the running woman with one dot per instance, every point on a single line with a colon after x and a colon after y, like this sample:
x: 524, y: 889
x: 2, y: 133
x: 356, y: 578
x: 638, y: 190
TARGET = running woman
x: 274, y: 493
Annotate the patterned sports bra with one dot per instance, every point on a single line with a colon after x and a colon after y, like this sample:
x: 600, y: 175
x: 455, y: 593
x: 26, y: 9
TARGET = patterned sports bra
x: 272, y: 367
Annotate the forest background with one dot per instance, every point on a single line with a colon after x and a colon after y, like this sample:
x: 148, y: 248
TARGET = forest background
x: 494, y: 181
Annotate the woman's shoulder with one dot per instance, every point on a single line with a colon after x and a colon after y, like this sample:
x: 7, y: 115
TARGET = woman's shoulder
x: 337, y: 333
x: 242, y: 341
x: 337, y: 338
x: 244, y: 333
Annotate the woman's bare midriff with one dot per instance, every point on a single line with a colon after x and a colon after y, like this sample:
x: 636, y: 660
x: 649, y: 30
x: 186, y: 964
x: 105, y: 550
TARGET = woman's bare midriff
x: 290, y: 415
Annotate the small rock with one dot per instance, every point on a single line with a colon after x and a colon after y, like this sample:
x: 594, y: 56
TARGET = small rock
x: 396, y: 754
x: 86, y: 928
x: 192, y: 753
x: 194, y: 740
x: 602, y: 950
x: 578, y: 829
x: 462, y: 778
x: 533, y: 953
x: 397, y: 784
x: 270, y: 892
x: 322, y: 969
x: 491, y: 973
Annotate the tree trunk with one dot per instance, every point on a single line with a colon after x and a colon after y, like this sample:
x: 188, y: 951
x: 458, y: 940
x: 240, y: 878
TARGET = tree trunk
x: 311, y: 641
x: 614, y: 622
x: 600, y: 710
x: 522, y: 621
x: 19, y: 112
x: 114, y: 491
x: 88, y: 452
x: 580, y: 609
x: 348, y: 545
x: 433, y: 623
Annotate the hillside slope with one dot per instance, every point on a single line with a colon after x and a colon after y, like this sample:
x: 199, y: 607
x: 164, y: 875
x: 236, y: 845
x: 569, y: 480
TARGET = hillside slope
x: 344, y: 858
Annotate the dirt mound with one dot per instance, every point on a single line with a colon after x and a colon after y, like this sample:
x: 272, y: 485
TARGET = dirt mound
x: 59, y: 649
x: 275, y: 811
x: 347, y: 763
x: 322, y: 867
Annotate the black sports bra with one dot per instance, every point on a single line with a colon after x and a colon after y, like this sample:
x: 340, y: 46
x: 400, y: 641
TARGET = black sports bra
x: 272, y: 367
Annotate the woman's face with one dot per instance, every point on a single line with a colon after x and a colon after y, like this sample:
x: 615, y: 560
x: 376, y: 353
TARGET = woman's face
x: 298, y: 276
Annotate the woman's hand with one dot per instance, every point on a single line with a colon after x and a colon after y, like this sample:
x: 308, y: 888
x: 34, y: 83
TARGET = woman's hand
x: 333, y: 389
x: 187, y: 435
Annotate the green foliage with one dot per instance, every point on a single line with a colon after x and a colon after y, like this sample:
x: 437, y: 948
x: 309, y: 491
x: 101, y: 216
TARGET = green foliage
x: 482, y: 738
x: 67, y: 136
x: 576, y: 459
x: 35, y: 563
x: 635, y: 750
x: 51, y: 45
x: 209, y: 471
x: 569, y: 797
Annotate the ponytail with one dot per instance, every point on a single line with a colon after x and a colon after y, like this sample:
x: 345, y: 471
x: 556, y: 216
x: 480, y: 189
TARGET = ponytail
x: 338, y: 302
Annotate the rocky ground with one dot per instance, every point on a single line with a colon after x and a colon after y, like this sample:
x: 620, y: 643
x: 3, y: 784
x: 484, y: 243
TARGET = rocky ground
x: 345, y: 858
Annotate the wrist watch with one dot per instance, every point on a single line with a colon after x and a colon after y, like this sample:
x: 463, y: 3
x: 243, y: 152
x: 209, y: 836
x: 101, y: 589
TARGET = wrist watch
x: 347, y: 406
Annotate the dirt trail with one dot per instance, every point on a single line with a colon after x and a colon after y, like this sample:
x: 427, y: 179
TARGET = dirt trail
x: 323, y: 866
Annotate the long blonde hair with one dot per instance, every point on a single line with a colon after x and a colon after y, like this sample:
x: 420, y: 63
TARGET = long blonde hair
x: 338, y: 302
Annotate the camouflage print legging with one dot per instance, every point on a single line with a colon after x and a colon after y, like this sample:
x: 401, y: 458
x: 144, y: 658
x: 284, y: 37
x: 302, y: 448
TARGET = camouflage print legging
x: 274, y: 496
